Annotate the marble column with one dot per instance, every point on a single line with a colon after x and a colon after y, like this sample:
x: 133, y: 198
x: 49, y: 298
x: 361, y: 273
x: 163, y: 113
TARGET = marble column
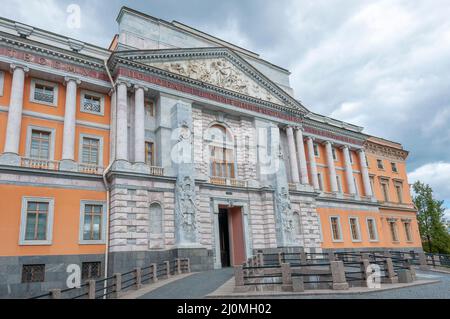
x: 349, y: 171
x: 113, y: 128
x: 331, y: 167
x: 312, y: 163
x: 122, y: 122
x: 139, y: 125
x: 292, y: 155
x: 68, y: 148
x: 301, y: 156
x: 14, y: 124
x: 365, y: 173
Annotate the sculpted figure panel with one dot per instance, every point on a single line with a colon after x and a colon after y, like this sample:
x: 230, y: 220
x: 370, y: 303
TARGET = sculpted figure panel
x: 219, y: 72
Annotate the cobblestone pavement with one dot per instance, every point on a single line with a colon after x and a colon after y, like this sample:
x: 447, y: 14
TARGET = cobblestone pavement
x: 193, y: 287
x: 439, y: 290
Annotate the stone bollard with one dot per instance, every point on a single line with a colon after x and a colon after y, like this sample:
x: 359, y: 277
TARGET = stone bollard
x: 261, y: 259
x: 286, y: 277
x: 390, y: 273
x: 117, y: 285
x: 138, y: 274
x: 298, y: 284
x: 423, y: 264
x: 155, y: 272
x: 365, y: 269
x: 188, y: 262
x: 167, y: 263
x: 409, y: 264
x: 91, y: 289
x: 239, y: 279
x: 338, y: 274
x: 55, y: 293
x: 303, y: 257
x: 404, y: 276
x: 178, y: 263
x: 280, y: 257
x: 331, y: 256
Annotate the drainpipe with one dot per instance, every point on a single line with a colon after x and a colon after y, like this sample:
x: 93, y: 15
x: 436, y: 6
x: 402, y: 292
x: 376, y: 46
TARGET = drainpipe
x: 105, y: 182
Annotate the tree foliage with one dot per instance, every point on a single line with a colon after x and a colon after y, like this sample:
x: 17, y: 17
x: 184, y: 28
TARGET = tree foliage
x: 435, y: 238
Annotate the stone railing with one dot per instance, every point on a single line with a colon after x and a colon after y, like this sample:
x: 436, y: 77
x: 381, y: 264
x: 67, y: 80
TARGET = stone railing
x: 39, y: 164
x: 156, y: 171
x: 227, y: 181
x: 292, y: 186
x: 89, y: 169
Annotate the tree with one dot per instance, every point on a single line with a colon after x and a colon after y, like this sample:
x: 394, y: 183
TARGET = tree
x: 435, y: 238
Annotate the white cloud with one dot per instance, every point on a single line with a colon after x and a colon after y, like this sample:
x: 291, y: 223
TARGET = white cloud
x: 437, y: 175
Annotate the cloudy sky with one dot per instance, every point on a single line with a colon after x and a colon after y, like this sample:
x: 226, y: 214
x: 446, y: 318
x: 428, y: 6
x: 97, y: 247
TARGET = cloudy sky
x: 384, y: 65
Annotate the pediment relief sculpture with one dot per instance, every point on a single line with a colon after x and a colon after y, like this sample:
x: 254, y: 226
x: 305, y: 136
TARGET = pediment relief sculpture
x: 219, y: 72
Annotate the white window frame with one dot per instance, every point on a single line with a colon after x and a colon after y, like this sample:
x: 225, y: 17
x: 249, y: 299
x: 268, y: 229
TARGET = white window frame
x: 339, y: 227
x: 83, y: 204
x: 358, y: 229
x: 102, y: 102
x: 2, y: 82
x: 23, y: 221
x: 339, y: 184
x: 100, y: 148
x: 375, y: 229
x: 46, y: 83
x: 52, y: 131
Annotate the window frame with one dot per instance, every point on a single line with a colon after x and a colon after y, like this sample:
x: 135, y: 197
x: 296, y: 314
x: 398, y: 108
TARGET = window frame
x: 23, y: 221
x: 334, y: 154
x: 45, y: 83
x: 382, y: 168
x: 95, y: 94
x: 150, y: 219
x: 375, y: 229
x: 394, y: 167
x: 407, y: 224
x: 399, y: 191
x: 341, y: 239
x: 152, y: 163
x: 339, y: 184
x: 316, y: 148
x: 32, y: 282
x: 395, y: 228
x: 358, y: 229
x: 320, y: 179
x: 102, y: 239
x: 86, y: 263
x: 51, y: 153
x: 386, y: 196
x: 100, y: 148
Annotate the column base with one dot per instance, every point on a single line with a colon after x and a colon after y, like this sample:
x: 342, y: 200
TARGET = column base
x: 10, y: 159
x: 68, y: 165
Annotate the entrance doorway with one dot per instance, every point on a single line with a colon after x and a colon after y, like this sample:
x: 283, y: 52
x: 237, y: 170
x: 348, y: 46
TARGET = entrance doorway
x: 231, y: 235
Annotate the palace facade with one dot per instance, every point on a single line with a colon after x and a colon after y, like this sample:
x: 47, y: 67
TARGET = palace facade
x: 174, y: 143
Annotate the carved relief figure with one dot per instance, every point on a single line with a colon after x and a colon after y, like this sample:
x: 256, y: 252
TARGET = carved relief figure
x: 187, y: 207
x: 285, y: 211
x: 218, y: 72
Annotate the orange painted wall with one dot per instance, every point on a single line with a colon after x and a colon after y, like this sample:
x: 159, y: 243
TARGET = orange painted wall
x: 66, y: 221
x: 384, y: 237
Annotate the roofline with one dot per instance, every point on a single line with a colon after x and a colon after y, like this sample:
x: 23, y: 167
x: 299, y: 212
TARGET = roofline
x: 201, y: 34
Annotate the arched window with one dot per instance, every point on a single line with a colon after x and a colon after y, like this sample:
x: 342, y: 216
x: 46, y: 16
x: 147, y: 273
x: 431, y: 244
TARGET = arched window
x: 297, y: 223
x: 156, y: 219
x: 221, y: 152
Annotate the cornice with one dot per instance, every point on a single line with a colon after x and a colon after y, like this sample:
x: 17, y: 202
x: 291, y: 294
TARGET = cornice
x: 202, y: 53
x: 386, y: 151
x: 312, y: 126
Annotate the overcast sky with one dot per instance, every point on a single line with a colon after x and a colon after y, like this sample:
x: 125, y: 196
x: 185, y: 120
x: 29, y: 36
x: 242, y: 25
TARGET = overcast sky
x: 384, y: 65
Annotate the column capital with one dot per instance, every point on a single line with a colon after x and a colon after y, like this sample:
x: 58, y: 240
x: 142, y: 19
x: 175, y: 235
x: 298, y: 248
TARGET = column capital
x: 327, y: 143
x: 298, y: 128
x: 138, y: 86
x: 14, y: 66
x: 344, y: 146
x: 70, y: 78
x: 124, y: 82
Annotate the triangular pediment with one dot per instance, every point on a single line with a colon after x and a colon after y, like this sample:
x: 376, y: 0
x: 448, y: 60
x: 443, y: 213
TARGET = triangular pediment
x: 219, y: 67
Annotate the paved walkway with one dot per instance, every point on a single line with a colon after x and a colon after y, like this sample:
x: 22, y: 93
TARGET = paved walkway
x: 196, y: 286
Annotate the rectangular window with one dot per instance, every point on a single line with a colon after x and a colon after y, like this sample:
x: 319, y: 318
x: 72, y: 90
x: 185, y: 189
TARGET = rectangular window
x: 394, y: 167
x: 36, y: 220
x: 393, y: 230
x: 149, y: 153
x: 339, y: 184
x: 335, y: 228
x: 408, y: 233
x: 316, y: 150
x: 385, y: 189
x: 333, y: 151
x: 93, y: 220
x: 372, y: 229
x: 91, y: 270
x: 380, y: 164
x: 40, y: 145
x: 398, y: 190
x: 319, y: 177
x: 372, y: 185
x: 90, y: 151
x: 354, y: 228
x: 33, y: 273
x: 356, y: 186
x: 222, y: 162
x: 351, y: 156
x: 150, y: 108
x: 92, y: 103
x: 44, y: 92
